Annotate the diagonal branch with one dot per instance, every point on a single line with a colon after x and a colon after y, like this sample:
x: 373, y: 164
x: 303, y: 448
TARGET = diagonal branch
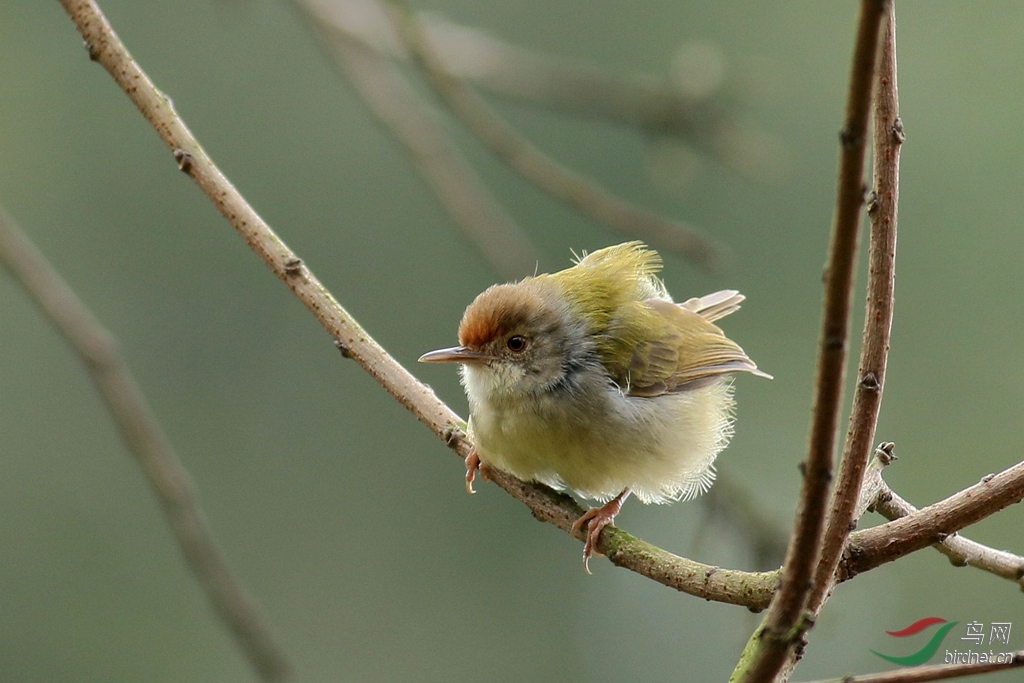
x: 781, y: 632
x: 753, y: 590
x: 961, y: 551
x: 150, y: 447
x: 750, y: 589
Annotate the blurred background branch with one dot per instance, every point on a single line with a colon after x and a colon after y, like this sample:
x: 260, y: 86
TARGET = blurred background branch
x: 683, y: 108
x: 731, y: 504
x: 414, y: 124
x: 149, y: 445
x: 528, y: 161
x: 692, y: 105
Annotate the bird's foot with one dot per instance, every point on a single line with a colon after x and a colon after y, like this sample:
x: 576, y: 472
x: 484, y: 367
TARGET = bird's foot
x: 596, y: 519
x: 472, y: 465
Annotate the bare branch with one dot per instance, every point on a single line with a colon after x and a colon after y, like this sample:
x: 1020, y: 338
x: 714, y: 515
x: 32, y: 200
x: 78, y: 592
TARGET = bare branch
x: 536, y: 167
x: 872, y: 547
x: 877, y: 496
x: 933, y: 672
x: 414, y: 124
x: 353, y: 341
x: 150, y: 447
x: 753, y: 590
x: 783, y: 627
x: 960, y: 551
x: 867, y: 399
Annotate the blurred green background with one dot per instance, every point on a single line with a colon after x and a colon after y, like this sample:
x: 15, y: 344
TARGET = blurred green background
x: 344, y: 516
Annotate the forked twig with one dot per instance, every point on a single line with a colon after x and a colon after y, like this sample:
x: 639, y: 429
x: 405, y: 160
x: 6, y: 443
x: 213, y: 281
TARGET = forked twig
x: 876, y: 495
x: 873, y: 547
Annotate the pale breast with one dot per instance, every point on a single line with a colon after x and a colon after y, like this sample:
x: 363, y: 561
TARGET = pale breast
x: 663, y: 448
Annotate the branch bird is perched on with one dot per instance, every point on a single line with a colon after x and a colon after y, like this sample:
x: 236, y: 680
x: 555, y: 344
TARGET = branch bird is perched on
x: 592, y: 379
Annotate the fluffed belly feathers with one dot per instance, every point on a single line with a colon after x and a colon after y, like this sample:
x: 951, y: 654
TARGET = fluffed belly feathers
x: 663, y: 448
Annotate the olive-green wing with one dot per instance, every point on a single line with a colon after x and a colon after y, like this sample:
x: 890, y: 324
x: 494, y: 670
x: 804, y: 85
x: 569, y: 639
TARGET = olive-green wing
x: 669, y: 347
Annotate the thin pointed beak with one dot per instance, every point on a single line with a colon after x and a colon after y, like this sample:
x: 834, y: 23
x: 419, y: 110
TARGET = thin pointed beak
x: 456, y: 354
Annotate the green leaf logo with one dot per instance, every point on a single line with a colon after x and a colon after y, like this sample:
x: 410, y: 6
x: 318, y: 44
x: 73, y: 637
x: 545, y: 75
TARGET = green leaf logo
x: 925, y: 653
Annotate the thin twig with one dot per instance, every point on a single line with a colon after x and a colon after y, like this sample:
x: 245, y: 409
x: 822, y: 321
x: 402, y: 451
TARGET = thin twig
x: 960, y: 551
x: 867, y: 399
x: 872, y: 547
x: 150, y: 447
x: 414, y: 124
x: 876, y: 495
x: 532, y: 164
x: 353, y: 341
x: 782, y: 629
x: 933, y: 672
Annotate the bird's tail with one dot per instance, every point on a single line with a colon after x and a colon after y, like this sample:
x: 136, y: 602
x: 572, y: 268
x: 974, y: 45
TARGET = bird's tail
x: 715, y: 306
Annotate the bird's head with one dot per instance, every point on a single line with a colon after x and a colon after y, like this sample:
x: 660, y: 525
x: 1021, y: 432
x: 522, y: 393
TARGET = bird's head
x: 516, y: 340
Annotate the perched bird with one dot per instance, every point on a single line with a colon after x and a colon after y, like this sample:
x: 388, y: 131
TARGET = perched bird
x: 592, y: 379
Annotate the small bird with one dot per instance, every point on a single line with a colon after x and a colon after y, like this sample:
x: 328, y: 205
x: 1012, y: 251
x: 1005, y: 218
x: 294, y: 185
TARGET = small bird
x: 593, y: 379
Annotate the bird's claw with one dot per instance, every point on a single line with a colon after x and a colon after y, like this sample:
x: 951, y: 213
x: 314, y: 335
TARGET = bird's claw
x: 472, y: 465
x: 595, y: 522
x: 596, y: 519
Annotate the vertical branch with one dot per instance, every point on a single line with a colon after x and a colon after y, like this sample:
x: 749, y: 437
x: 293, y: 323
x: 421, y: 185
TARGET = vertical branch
x: 882, y: 212
x: 151, y: 448
x: 781, y: 633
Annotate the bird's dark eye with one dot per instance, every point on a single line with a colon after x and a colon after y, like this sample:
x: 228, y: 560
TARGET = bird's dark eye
x: 517, y: 343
